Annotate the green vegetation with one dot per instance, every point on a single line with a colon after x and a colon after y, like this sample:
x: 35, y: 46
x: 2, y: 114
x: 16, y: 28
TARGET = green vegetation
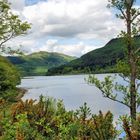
x: 101, y: 60
x: 9, y: 78
x: 128, y: 68
x: 132, y: 133
x: 38, y: 63
x: 49, y: 120
x: 10, y: 27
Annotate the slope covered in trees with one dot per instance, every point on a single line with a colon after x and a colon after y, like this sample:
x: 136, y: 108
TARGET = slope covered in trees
x: 9, y: 78
x: 38, y: 63
x: 99, y: 60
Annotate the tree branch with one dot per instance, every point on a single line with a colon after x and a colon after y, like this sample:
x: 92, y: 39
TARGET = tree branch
x: 124, y: 78
x: 122, y: 12
x: 137, y: 50
x: 116, y: 100
x: 138, y: 58
x: 6, y: 40
x: 138, y: 14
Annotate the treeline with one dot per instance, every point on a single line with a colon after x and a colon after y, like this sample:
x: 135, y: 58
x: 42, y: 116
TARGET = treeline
x: 102, y: 60
x: 63, y: 70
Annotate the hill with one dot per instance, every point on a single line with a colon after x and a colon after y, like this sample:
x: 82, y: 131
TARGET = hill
x: 38, y: 63
x: 98, y: 61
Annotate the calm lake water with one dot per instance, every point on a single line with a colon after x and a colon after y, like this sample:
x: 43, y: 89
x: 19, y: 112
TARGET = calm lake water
x: 74, y: 91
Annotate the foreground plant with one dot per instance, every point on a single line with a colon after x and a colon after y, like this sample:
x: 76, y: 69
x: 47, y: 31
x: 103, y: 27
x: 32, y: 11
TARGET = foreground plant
x: 48, y: 119
x: 132, y: 133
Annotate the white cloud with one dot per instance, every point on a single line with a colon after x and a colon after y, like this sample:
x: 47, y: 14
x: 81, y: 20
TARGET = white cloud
x: 71, y: 18
x: 66, y: 19
x: 74, y: 50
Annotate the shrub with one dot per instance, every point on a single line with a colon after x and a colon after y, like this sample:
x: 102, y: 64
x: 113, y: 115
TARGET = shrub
x: 50, y: 120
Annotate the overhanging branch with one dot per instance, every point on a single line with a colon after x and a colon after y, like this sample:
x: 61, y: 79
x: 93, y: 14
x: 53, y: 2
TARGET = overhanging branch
x: 7, y: 39
x: 113, y: 99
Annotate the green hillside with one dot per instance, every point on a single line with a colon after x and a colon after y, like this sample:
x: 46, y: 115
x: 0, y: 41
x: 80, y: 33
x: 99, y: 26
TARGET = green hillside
x: 38, y: 63
x: 98, y: 61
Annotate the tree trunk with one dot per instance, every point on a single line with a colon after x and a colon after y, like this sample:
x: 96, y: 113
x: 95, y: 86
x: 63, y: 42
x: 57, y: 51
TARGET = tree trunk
x: 132, y: 63
x: 133, y: 91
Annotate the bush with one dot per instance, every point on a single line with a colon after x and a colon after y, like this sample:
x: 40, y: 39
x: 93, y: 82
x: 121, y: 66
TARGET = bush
x: 132, y: 132
x: 49, y: 120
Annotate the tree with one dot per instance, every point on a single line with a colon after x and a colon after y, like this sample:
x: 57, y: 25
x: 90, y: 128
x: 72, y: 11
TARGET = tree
x: 10, y: 24
x: 10, y: 27
x: 9, y: 78
x: 128, y: 69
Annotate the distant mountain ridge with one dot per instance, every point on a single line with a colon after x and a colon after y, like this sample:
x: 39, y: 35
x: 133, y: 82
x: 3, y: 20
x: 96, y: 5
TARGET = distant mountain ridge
x: 38, y: 63
x: 98, y: 61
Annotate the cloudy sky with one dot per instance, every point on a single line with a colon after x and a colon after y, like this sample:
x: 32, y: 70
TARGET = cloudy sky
x: 72, y: 27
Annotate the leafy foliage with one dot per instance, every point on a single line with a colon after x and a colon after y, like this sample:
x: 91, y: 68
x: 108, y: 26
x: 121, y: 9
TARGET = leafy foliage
x: 48, y: 119
x: 10, y: 26
x: 9, y: 79
x: 130, y: 66
x: 132, y: 132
